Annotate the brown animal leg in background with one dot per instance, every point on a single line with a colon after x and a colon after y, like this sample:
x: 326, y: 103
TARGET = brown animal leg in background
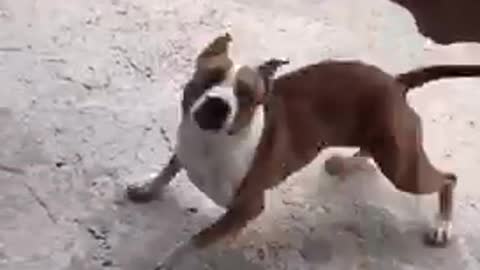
x: 445, y: 21
x: 440, y: 235
x: 243, y: 210
x: 340, y: 166
x: 150, y: 190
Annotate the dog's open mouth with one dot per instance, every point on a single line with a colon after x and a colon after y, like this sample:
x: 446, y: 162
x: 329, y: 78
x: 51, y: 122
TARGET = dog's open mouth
x: 212, y: 114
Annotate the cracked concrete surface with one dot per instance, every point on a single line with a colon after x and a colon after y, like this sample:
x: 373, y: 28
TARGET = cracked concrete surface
x: 90, y: 100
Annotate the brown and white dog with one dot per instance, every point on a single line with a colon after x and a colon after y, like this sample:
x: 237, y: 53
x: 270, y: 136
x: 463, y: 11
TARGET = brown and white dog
x: 243, y: 132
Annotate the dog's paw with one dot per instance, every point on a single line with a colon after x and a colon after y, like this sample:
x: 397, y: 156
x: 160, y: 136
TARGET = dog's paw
x: 143, y: 192
x: 440, y: 235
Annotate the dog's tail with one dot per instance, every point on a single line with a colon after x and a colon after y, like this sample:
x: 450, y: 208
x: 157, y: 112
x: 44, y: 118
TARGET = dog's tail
x: 420, y: 76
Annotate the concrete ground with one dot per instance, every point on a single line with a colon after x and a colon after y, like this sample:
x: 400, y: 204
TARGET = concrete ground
x: 89, y: 101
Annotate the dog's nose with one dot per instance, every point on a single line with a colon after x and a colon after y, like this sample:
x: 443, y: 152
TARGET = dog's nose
x: 212, y: 113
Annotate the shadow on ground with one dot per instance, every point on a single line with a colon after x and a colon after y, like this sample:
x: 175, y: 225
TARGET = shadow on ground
x: 373, y: 239
x: 446, y: 21
x: 138, y: 236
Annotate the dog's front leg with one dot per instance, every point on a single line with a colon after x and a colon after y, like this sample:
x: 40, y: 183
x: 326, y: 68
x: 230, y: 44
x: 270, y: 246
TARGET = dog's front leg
x: 149, y: 190
x: 247, y: 204
x: 245, y: 207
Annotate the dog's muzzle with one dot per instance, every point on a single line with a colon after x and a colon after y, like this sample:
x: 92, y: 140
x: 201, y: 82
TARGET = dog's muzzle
x: 212, y: 113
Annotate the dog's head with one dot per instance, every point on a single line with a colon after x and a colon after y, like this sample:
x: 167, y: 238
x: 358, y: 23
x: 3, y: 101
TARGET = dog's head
x: 223, y: 96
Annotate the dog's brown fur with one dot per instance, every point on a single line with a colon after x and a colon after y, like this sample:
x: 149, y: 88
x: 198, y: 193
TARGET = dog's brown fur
x: 337, y: 103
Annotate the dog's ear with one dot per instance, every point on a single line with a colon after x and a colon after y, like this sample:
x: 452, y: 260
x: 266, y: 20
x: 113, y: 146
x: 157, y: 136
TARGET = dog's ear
x: 268, y: 68
x: 215, y: 54
x: 249, y: 91
x: 256, y: 83
x: 267, y: 71
x: 249, y: 86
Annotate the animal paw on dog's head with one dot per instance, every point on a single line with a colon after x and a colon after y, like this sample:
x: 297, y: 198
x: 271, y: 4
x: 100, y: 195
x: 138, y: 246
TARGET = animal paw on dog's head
x: 216, y: 54
x: 218, y: 46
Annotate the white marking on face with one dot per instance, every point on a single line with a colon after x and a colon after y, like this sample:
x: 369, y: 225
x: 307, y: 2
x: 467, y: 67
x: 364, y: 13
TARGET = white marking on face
x: 224, y: 91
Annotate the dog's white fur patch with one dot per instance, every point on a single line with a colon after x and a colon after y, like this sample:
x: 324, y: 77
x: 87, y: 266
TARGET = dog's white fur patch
x: 224, y: 91
x: 215, y: 161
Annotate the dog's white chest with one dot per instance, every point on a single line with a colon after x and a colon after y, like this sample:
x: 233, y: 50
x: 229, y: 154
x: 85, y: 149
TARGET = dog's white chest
x: 217, y: 163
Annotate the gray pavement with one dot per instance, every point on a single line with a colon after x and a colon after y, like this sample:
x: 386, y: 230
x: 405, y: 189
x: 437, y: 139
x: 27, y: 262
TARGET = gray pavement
x: 89, y: 101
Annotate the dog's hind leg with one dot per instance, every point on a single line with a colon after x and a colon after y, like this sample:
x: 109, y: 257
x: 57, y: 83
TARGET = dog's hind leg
x: 430, y: 179
x: 441, y: 233
x: 402, y: 159
x: 150, y: 189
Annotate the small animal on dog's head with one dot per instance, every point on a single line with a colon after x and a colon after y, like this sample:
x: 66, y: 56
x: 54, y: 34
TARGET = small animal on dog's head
x: 215, y: 54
